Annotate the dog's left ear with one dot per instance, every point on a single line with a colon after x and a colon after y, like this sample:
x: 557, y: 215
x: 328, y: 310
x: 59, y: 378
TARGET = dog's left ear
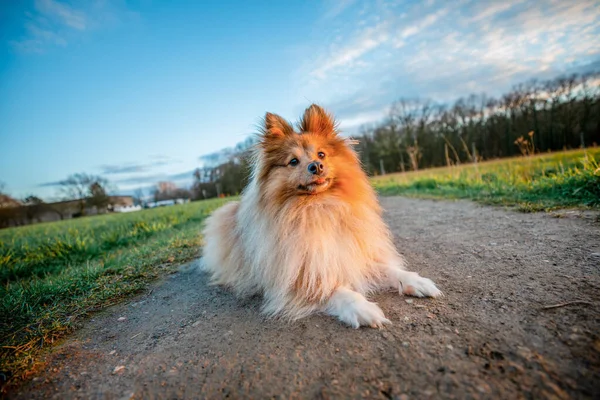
x: 317, y: 120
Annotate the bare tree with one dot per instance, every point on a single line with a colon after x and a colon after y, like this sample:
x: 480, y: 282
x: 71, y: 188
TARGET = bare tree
x: 34, y: 206
x: 85, y: 188
x: 138, y: 197
x: 98, y: 197
x: 550, y: 115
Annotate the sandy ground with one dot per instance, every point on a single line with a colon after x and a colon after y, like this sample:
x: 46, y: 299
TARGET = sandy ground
x: 489, y: 337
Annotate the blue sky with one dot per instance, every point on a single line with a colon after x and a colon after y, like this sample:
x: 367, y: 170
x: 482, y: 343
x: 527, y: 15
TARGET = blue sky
x: 138, y: 90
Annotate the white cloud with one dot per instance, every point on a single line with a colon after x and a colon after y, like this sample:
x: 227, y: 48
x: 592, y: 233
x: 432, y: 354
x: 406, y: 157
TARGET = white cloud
x: 491, y: 10
x: 424, y: 23
x: 63, y: 12
x: 469, y: 46
x: 357, y: 120
x: 45, y: 35
x: 54, y: 23
x: 336, y: 7
x: 366, y: 41
x: 370, y: 38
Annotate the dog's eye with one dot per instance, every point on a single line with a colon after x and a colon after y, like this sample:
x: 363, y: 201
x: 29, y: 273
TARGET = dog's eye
x: 321, y: 154
x: 294, y: 162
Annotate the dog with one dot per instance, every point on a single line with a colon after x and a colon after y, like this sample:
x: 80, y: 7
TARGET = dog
x: 307, y: 233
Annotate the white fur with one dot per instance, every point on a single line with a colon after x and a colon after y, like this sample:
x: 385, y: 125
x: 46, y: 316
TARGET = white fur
x: 335, y: 252
x: 353, y: 309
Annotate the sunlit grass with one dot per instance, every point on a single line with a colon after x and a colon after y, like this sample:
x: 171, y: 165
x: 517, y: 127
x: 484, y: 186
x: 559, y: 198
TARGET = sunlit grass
x: 541, y: 182
x: 53, y: 274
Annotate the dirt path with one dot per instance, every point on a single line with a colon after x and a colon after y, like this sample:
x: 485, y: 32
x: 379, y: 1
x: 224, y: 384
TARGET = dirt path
x: 488, y: 338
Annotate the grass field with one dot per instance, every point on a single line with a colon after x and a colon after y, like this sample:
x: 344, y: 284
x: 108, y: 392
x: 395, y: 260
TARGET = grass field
x: 54, y: 274
x: 541, y: 182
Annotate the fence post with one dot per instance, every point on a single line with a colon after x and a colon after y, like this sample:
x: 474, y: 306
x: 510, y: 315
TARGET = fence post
x: 381, y: 166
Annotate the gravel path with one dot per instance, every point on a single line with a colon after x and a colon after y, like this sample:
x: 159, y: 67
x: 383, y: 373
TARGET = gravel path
x: 489, y: 337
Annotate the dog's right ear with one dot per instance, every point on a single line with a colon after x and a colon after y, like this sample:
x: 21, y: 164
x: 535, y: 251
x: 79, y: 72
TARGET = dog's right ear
x: 276, y: 127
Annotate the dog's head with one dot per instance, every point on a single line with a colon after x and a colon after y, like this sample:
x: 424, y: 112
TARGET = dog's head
x: 311, y: 162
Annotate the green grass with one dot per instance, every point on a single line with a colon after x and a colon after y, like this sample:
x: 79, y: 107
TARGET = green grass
x: 541, y: 182
x: 53, y: 274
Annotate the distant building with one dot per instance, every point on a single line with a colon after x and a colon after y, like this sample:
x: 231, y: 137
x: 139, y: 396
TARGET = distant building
x: 120, y: 202
x: 8, y: 202
x: 123, y: 209
x: 163, y: 203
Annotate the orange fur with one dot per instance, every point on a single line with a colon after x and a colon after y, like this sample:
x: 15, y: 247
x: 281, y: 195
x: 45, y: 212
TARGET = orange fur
x: 308, y: 241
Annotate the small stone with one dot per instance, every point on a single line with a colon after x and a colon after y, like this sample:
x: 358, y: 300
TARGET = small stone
x: 405, y: 344
x: 118, y: 369
x: 430, y: 316
x: 484, y: 388
x: 575, y: 337
x: 469, y: 276
x: 112, y: 352
x: 409, y: 301
x: 419, y: 306
x: 450, y: 347
x: 196, y: 323
x: 122, y: 319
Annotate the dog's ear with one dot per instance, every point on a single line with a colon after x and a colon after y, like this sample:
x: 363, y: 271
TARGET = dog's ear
x: 317, y: 120
x: 276, y: 127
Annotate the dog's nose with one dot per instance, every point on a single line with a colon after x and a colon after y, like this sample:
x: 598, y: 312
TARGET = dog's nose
x: 315, y: 167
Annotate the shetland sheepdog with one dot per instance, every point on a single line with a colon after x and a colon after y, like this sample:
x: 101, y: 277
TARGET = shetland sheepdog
x: 307, y: 233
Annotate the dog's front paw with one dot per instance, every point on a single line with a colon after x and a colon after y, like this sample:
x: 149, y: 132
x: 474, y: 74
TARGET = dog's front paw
x: 415, y: 285
x: 363, y: 312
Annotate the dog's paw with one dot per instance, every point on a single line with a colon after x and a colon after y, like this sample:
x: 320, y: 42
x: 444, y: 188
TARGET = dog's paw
x: 363, y: 312
x: 415, y: 285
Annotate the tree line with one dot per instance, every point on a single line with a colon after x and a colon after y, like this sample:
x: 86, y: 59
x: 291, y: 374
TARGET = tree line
x: 556, y: 114
x: 84, y: 191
